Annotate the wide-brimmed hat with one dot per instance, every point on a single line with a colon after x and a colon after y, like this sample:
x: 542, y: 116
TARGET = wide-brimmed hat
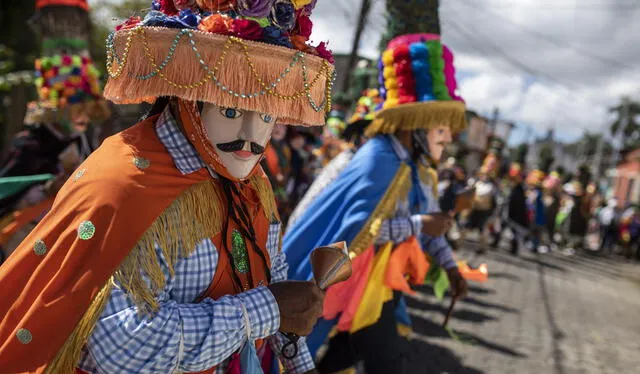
x: 364, y: 113
x: 247, y: 54
x: 418, y: 85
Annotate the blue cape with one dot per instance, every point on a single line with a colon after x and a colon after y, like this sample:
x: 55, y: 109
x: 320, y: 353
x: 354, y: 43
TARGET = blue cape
x: 339, y: 213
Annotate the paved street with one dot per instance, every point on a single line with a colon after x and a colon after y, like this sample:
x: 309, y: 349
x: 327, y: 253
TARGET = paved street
x: 537, y: 314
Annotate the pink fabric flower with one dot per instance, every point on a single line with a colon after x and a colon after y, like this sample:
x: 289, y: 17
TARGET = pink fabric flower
x: 129, y: 23
x: 324, y: 52
x: 246, y: 29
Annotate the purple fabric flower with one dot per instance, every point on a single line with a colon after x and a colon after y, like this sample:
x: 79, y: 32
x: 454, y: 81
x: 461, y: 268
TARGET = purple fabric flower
x: 255, y: 8
x: 283, y: 14
x: 277, y: 36
x: 154, y: 18
x: 188, y: 18
x: 308, y: 9
x: 155, y: 5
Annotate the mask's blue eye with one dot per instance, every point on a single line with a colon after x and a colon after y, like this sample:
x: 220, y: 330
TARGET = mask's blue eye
x: 267, y: 118
x: 231, y: 113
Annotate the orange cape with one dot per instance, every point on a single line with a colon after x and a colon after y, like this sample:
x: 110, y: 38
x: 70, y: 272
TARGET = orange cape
x: 55, y: 274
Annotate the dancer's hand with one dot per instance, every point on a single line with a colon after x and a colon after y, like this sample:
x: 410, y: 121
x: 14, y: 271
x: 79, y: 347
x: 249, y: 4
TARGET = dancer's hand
x: 300, y: 305
x: 459, y: 286
x: 436, y: 224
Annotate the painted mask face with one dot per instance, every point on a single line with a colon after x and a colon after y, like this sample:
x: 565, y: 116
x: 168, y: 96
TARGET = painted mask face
x: 438, y: 139
x: 239, y: 137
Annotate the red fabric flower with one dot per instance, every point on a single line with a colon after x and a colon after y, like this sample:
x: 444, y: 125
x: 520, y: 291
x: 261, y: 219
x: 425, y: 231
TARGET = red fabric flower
x: 129, y: 23
x: 217, y: 5
x: 184, y: 4
x: 167, y: 7
x: 300, y: 43
x: 216, y: 23
x: 401, y: 52
x: 324, y: 52
x: 303, y: 25
x: 246, y: 29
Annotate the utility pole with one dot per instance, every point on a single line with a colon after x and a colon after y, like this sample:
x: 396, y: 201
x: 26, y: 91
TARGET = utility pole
x: 494, y: 120
x: 599, y: 157
x: 624, y: 122
x: 365, y: 7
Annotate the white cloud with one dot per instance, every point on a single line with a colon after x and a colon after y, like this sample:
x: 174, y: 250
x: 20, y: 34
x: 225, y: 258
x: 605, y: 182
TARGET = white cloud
x: 570, y: 90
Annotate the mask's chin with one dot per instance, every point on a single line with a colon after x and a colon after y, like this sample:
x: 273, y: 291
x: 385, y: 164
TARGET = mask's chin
x: 236, y: 166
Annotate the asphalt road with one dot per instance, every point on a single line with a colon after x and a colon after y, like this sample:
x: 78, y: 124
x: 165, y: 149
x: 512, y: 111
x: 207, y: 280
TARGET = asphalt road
x: 538, y: 313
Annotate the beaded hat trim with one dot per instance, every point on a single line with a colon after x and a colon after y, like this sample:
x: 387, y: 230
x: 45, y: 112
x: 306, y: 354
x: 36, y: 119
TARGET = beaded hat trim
x: 146, y: 62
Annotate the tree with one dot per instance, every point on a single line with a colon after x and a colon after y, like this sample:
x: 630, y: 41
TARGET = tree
x: 101, y: 19
x: 545, y: 158
x: 626, y: 123
x: 411, y: 17
x: 519, y: 154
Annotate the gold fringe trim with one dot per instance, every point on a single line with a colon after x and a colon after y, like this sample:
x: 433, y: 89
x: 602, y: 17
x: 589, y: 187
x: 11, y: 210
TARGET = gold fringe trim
x: 423, y: 115
x: 197, y: 214
x: 399, y: 188
x: 263, y: 188
x: 429, y: 176
x: 69, y: 355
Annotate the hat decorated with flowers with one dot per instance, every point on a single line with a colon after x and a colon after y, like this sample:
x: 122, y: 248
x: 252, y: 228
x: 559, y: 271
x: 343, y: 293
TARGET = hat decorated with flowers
x: 363, y: 114
x: 552, y: 180
x: 70, y: 81
x: 535, y: 178
x: 67, y: 81
x: 248, y: 54
x: 516, y: 171
x: 367, y: 105
x: 418, y: 85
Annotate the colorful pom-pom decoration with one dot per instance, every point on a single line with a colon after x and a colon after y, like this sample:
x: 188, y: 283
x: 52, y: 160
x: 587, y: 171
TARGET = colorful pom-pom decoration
x: 67, y: 79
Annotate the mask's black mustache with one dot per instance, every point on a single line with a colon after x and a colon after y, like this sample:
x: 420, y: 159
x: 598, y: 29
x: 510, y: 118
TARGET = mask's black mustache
x: 237, y: 145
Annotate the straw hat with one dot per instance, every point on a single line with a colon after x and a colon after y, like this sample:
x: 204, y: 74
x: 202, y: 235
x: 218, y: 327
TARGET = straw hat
x: 247, y: 54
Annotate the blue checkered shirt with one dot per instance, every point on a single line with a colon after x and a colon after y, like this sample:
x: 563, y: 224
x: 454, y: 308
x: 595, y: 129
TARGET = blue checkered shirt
x: 185, y: 335
x: 405, y: 224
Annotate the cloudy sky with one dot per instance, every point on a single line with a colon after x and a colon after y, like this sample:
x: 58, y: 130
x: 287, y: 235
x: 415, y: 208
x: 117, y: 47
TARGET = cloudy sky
x: 544, y: 63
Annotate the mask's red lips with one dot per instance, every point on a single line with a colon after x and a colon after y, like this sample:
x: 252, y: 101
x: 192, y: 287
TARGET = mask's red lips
x: 243, y: 154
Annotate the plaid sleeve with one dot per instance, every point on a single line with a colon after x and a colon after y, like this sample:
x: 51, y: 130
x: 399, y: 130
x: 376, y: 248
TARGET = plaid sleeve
x: 179, y: 336
x: 399, y: 229
x: 438, y: 248
x: 279, y: 266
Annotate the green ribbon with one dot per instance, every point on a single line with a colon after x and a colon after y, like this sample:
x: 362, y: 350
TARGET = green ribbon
x: 12, y: 185
x: 437, y: 278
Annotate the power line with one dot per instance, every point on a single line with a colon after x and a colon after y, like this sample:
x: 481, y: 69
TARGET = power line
x: 512, y: 61
x: 505, y: 56
x: 549, y: 38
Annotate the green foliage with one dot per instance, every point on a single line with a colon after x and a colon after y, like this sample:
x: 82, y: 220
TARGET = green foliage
x: 519, y: 153
x: 630, y: 128
x: 102, y: 19
x: 545, y: 158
